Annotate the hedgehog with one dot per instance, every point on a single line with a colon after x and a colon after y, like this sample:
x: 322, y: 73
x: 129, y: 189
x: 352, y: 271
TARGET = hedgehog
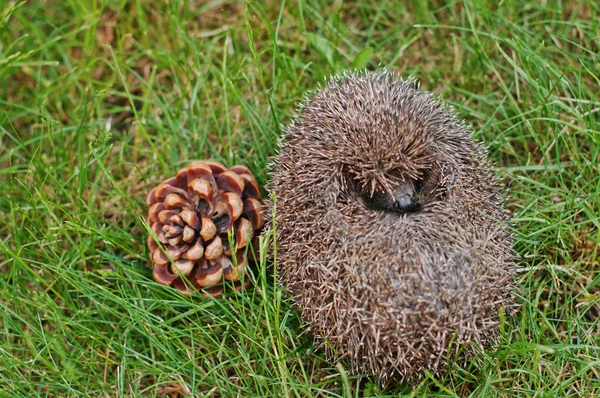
x: 391, y: 233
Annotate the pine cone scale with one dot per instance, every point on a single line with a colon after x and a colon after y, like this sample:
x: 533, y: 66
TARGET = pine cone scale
x: 243, y: 232
x: 159, y: 257
x: 195, y: 252
x: 164, y: 190
x: 198, y: 171
x: 175, y: 201
x: 208, y: 229
x: 253, y: 212
x: 154, y: 210
x: 214, y: 249
x: 162, y: 275
x: 164, y: 216
x: 190, y: 218
x: 177, y: 251
x: 203, y: 190
x: 207, y: 276
x: 234, y: 204
x: 184, y: 266
x: 229, y: 181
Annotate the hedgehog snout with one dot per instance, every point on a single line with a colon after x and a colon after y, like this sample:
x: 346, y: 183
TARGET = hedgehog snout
x: 405, y: 197
x: 406, y: 203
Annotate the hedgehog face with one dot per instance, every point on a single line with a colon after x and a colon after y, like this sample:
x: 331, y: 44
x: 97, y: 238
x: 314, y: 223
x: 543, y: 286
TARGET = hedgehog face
x: 405, y: 198
x: 389, y: 156
x: 392, y: 166
x: 390, y: 175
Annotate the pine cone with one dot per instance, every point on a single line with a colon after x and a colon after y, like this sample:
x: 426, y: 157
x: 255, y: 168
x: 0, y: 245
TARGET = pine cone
x: 192, y: 214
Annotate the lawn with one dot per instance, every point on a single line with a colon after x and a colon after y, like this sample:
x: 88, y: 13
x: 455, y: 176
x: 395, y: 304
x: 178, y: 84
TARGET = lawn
x: 101, y: 100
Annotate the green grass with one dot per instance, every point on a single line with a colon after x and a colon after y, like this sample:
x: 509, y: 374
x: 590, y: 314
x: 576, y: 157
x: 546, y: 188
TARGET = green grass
x: 100, y: 100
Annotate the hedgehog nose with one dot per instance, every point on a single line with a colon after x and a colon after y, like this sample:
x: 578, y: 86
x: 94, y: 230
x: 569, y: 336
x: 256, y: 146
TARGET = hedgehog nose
x: 406, y: 203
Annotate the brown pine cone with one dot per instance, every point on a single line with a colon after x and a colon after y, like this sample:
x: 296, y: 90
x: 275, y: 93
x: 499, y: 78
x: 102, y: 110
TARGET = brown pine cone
x: 192, y: 214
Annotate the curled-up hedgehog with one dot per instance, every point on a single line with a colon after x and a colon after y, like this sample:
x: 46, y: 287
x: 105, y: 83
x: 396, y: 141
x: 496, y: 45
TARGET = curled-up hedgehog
x: 391, y: 233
